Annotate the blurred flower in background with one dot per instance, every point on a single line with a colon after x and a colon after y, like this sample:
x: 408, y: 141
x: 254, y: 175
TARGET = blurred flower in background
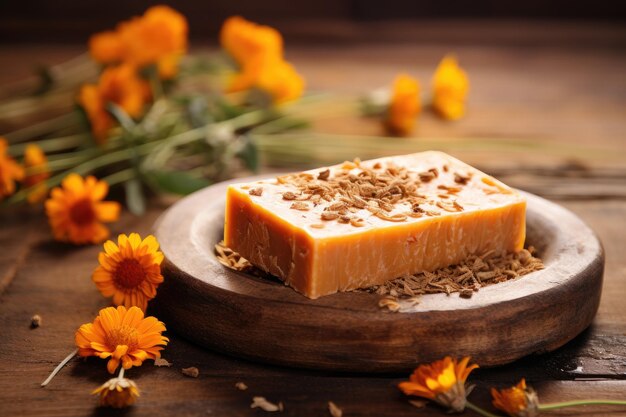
x: 258, y: 51
x: 10, y: 171
x: 36, y: 167
x: 159, y: 37
x: 404, y: 106
x: 76, y: 211
x: 450, y: 89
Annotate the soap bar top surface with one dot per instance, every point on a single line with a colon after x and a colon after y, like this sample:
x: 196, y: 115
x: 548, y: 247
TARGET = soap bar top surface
x: 355, y: 197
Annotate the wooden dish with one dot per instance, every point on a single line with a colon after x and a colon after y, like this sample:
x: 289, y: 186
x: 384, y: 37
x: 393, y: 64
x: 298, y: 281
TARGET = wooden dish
x: 263, y: 320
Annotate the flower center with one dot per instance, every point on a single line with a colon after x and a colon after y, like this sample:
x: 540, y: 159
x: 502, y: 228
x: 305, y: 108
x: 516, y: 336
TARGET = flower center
x: 124, y: 335
x: 82, y: 212
x: 129, y: 273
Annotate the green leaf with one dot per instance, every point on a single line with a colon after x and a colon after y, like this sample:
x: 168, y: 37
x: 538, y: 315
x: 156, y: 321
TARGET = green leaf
x: 134, y: 197
x: 177, y: 182
x: 249, y: 154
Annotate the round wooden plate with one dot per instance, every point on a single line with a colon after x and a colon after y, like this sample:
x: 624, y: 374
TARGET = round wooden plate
x: 262, y: 320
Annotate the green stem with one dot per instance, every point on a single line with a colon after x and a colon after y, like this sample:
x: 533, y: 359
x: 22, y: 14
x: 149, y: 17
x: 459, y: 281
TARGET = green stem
x: 41, y: 128
x: 480, y: 410
x: 119, y: 177
x: 88, y: 167
x: 554, y: 406
x: 52, y: 145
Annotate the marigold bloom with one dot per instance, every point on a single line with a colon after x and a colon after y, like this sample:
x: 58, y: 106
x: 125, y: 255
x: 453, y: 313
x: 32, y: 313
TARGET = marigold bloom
x: 247, y: 41
x: 158, y: 37
x: 117, y: 393
x: 76, y: 210
x: 119, y: 85
x: 36, y: 165
x: 442, y: 381
x: 124, y: 336
x: 258, y: 50
x: 450, y: 88
x: 10, y: 171
x: 404, y: 107
x: 106, y: 47
x: 516, y: 401
x: 130, y: 271
x: 279, y: 79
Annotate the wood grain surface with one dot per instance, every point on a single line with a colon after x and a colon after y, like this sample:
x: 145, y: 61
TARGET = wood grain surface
x: 562, y: 85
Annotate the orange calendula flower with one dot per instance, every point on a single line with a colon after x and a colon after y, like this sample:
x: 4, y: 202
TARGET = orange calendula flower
x: 258, y: 50
x: 442, y: 381
x: 404, y: 107
x: 10, y: 171
x: 36, y: 165
x: 158, y: 37
x: 279, y: 79
x: 124, y: 336
x: 76, y: 210
x: 117, y: 393
x: 119, y: 85
x: 247, y: 41
x: 450, y: 88
x: 517, y: 401
x: 130, y: 271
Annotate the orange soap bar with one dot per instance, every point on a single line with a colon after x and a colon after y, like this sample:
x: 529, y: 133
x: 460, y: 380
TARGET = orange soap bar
x: 360, y: 224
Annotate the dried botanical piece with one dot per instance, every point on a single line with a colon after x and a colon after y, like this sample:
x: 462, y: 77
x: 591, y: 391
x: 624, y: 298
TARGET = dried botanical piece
x: 390, y: 303
x: 289, y: 196
x: 418, y: 403
x: 192, y: 372
x: 334, y: 410
x: 241, y: 386
x: 162, y: 362
x: 323, y: 175
x: 35, y: 321
x: 263, y: 404
x: 329, y: 215
x: 299, y: 205
x: 465, y: 278
x: 258, y: 191
x: 461, y: 179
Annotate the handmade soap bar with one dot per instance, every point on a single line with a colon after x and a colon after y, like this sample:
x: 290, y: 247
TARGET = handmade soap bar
x: 362, y: 223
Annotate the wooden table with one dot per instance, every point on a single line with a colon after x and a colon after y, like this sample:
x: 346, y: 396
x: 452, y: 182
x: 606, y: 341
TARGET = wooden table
x: 558, y: 83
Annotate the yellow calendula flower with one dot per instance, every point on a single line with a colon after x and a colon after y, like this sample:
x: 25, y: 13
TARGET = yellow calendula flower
x: 130, y: 271
x: 442, y: 381
x: 450, y: 89
x: 76, y: 211
x: 123, y: 336
x: 247, y: 41
x: 516, y: 401
x: 119, y: 85
x: 117, y: 393
x: 10, y: 171
x: 404, y: 106
x: 36, y: 165
x: 159, y: 37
